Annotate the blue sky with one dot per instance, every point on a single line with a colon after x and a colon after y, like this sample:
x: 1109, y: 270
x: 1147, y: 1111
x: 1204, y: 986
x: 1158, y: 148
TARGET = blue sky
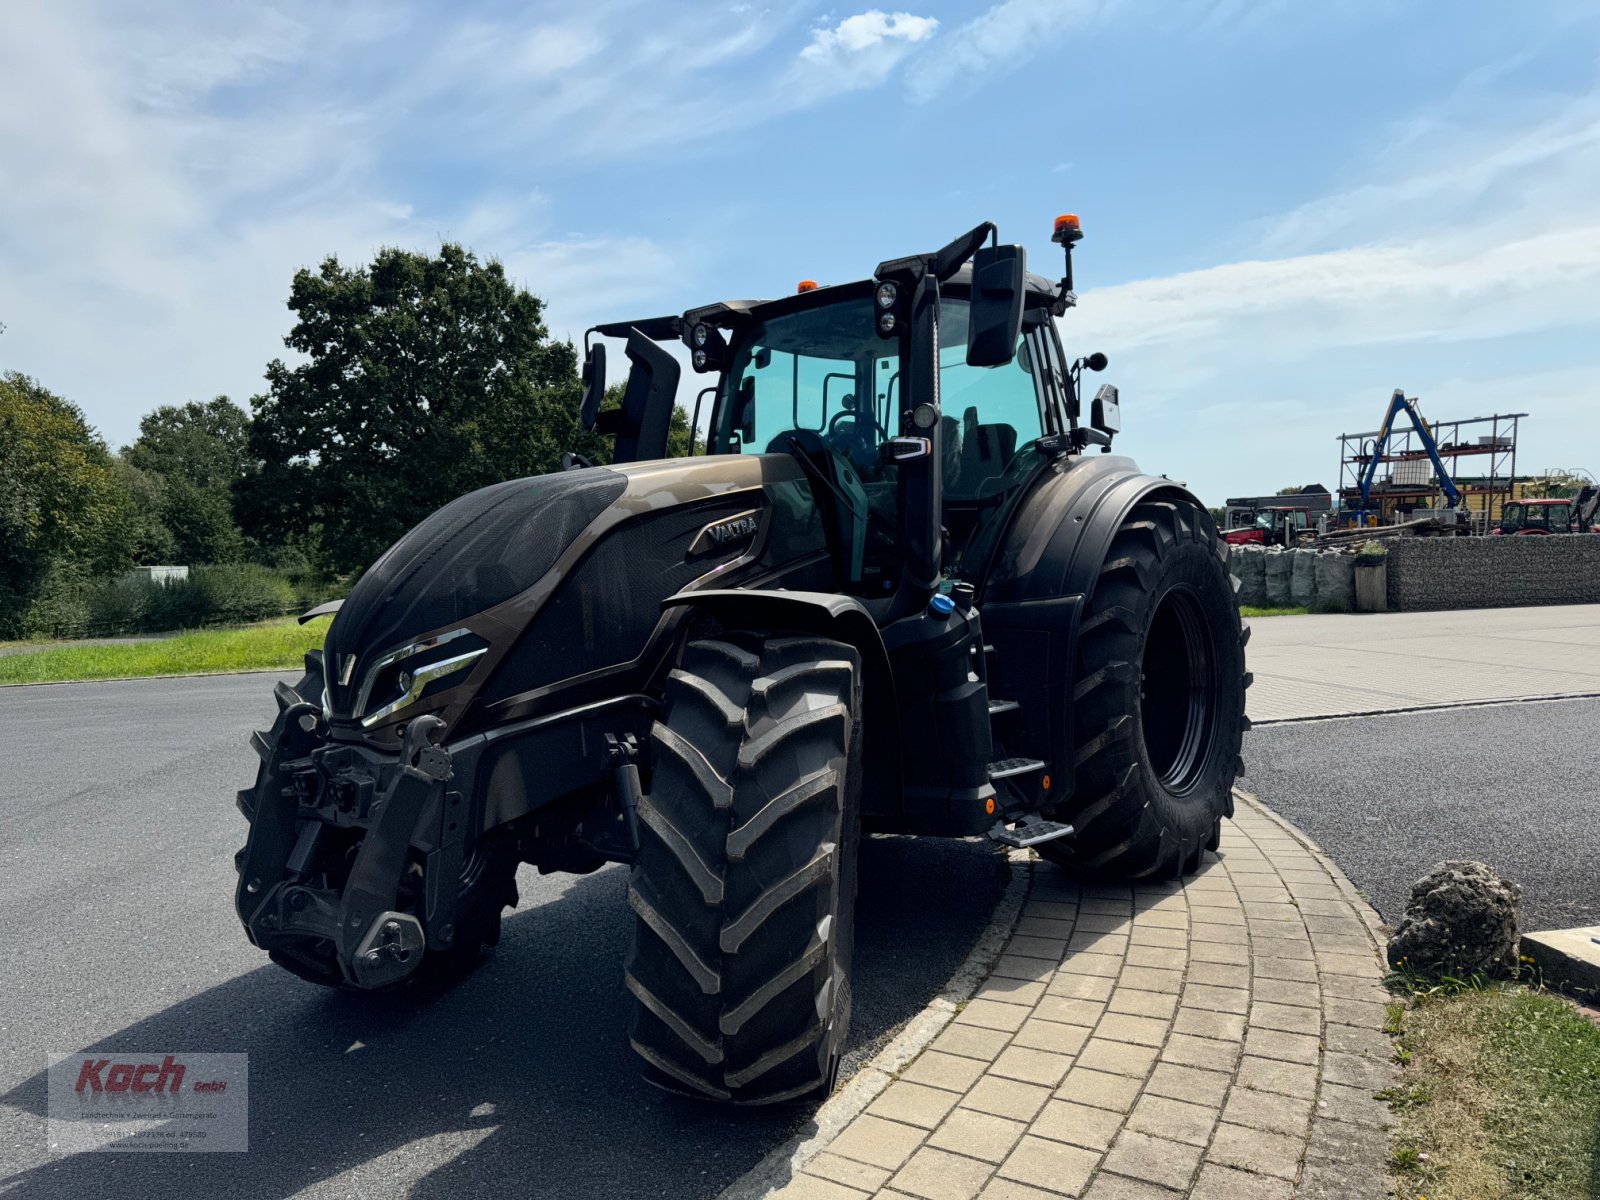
x: 1291, y: 208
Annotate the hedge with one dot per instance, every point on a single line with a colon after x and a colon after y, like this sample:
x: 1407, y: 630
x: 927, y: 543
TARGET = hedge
x: 71, y: 606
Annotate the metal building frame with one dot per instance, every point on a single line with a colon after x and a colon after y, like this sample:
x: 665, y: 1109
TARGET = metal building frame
x: 1474, y: 441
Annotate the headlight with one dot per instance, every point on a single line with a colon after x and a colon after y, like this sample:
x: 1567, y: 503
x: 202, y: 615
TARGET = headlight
x: 395, y: 676
x: 887, y: 295
x: 701, y: 334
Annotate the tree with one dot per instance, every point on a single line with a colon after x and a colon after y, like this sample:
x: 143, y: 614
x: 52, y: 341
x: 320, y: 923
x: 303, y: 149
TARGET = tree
x: 423, y: 377
x: 60, y: 499
x: 208, y: 445
x: 200, y: 453
x: 139, y: 523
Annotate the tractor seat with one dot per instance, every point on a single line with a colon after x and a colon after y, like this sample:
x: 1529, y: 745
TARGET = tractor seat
x: 986, y: 452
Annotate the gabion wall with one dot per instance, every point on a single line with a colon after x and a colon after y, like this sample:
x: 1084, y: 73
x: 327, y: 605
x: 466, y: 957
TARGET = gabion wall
x: 1276, y: 578
x: 1494, y: 572
x: 1429, y: 573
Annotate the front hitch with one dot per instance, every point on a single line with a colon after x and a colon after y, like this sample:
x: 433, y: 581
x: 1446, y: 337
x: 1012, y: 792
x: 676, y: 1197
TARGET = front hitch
x: 377, y: 945
x: 373, y: 943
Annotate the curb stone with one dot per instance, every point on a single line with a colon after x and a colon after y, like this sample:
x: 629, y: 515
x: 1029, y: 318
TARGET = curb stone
x: 1217, y: 1037
x: 870, y: 1081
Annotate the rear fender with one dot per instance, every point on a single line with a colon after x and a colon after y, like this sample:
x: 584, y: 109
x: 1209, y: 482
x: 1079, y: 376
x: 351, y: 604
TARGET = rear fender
x: 1041, y: 581
x: 1059, y: 539
x: 844, y: 619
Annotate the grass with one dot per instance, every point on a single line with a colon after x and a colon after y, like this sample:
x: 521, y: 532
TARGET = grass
x: 1250, y: 610
x: 1500, y: 1097
x: 267, y: 646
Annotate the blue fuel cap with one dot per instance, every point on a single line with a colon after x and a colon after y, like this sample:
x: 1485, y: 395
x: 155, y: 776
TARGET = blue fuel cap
x: 941, y: 606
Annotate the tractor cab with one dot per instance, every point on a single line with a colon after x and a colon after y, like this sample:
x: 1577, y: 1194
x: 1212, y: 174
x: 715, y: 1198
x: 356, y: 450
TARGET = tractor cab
x: 919, y: 403
x: 1535, y: 517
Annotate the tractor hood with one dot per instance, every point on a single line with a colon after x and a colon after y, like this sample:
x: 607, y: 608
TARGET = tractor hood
x: 522, y: 587
x: 472, y: 554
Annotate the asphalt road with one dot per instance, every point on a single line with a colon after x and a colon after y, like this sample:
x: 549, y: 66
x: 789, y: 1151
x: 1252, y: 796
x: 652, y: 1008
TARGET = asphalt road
x: 117, y: 831
x: 1516, y: 786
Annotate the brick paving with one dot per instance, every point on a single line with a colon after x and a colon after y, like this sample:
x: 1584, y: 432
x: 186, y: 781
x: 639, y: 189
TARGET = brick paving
x: 1221, y: 1039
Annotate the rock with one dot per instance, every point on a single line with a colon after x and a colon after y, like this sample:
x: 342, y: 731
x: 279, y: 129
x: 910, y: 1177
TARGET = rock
x: 1249, y: 563
x: 1303, y: 579
x: 1279, y: 572
x: 1336, y: 582
x: 1462, y: 920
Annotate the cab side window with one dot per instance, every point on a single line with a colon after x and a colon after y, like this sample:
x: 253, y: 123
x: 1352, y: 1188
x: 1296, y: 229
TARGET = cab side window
x: 989, y: 412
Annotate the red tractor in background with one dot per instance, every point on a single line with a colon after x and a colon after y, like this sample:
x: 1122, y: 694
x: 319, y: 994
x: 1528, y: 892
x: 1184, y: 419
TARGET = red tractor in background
x: 1266, y: 526
x: 1556, y: 515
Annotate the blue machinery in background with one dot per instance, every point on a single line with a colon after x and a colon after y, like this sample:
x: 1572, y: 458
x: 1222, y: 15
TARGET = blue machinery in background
x: 1488, y: 443
x: 1399, y: 403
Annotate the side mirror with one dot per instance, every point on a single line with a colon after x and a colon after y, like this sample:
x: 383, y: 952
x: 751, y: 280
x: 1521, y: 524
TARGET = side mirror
x: 1105, y: 414
x: 642, y: 422
x: 1096, y: 361
x: 745, y: 416
x: 995, y: 321
x: 594, y: 385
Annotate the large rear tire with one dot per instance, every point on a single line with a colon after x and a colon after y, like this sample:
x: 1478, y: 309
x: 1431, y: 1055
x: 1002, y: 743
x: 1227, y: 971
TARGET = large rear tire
x: 1157, y: 700
x: 744, y: 890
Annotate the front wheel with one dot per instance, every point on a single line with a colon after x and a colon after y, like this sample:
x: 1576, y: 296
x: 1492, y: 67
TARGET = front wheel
x: 1157, y: 700
x: 744, y: 889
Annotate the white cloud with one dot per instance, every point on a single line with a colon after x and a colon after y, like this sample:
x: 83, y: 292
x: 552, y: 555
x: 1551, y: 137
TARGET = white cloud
x: 1469, y: 280
x: 866, y: 31
x: 1009, y: 33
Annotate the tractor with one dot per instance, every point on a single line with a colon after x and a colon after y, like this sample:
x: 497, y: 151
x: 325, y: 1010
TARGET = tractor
x: 1554, y: 515
x: 1272, y: 526
x: 896, y: 591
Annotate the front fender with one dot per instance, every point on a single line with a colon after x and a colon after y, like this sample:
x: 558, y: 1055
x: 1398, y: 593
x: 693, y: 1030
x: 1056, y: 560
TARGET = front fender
x: 844, y: 619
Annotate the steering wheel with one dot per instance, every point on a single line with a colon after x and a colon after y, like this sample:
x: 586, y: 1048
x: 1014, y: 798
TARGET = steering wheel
x: 860, y: 442
x: 855, y: 415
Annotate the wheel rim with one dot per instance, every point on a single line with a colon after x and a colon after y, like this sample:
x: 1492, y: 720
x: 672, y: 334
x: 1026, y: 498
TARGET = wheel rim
x: 1177, y: 691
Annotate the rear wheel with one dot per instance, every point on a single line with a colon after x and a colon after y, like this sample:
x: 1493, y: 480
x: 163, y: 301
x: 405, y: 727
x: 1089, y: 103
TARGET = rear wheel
x: 1157, y: 700
x: 744, y: 890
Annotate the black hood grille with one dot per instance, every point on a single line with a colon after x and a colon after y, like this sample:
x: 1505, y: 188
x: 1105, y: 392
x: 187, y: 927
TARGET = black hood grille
x: 475, y: 552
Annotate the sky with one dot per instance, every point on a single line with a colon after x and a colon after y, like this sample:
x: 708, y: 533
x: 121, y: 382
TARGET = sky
x: 1290, y: 208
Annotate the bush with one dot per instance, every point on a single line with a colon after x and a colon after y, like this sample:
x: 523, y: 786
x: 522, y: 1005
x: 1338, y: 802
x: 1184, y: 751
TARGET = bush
x: 71, y: 606
x: 222, y: 595
x: 60, y: 603
x: 1371, y: 553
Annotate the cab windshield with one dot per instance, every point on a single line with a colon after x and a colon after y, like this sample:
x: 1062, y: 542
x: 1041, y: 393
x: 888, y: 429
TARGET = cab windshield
x: 826, y: 371
x: 819, y: 380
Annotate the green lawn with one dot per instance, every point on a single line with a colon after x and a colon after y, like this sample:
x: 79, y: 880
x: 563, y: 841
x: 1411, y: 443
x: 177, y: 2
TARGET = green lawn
x: 1500, y: 1098
x: 1249, y: 610
x: 271, y: 645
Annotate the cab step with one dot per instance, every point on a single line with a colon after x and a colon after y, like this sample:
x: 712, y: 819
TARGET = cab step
x: 1006, y: 768
x: 996, y: 707
x: 1030, y: 829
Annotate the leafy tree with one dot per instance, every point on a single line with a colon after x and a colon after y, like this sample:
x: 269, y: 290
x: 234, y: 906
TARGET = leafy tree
x: 208, y: 444
x: 138, y: 522
x: 200, y: 453
x: 424, y: 376
x: 60, y: 499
